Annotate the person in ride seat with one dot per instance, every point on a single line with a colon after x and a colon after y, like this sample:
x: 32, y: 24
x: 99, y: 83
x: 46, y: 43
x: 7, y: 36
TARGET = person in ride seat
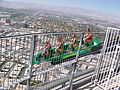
x: 88, y: 37
x: 60, y: 45
x: 47, y: 48
x: 74, y: 41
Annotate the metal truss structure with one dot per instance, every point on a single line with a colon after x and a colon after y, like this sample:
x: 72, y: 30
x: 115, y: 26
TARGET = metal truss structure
x: 107, y: 74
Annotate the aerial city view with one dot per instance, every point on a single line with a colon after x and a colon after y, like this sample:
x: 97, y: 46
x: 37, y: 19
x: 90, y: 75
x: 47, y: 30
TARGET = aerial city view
x: 59, y: 45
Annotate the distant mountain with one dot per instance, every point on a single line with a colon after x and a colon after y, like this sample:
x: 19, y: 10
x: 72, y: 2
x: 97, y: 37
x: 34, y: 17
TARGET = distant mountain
x: 67, y: 10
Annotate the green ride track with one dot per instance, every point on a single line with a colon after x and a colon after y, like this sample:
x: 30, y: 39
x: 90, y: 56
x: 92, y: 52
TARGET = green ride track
x: 65, y: 54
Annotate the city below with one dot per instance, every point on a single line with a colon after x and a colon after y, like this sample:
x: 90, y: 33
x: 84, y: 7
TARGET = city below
x: 52, y: 47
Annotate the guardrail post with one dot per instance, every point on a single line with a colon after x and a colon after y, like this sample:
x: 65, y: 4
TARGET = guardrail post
x: 75, y: 64
x: 31, y: 58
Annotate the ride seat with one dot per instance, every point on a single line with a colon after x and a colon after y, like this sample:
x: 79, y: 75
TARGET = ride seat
x: 90, y: 43
x: 66, y: 47
x: 52, y: 51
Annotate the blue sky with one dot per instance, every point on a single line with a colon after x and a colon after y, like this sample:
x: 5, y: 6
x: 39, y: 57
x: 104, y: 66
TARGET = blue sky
x: 106, y: 6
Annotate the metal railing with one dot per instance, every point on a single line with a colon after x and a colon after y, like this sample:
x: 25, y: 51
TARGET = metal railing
x: 17, y: 70
x: 107, y: 75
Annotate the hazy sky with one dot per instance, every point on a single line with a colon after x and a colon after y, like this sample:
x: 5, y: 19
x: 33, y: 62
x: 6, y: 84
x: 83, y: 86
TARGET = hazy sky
x: 107, y: 6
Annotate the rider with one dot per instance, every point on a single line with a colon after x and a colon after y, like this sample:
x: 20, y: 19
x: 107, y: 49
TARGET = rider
x: 88, y: 37
x: 74, y: 41
x: 60, y: 45
x: 47, y: 48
